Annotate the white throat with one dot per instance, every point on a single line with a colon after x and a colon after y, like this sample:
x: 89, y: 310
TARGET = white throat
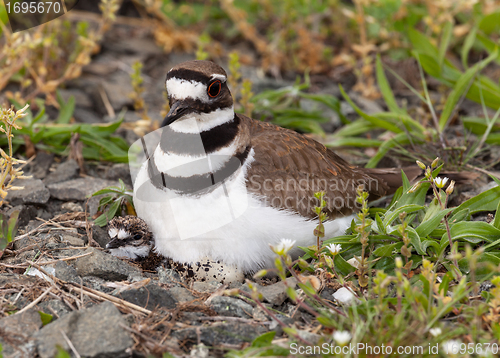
x: 200, y: 122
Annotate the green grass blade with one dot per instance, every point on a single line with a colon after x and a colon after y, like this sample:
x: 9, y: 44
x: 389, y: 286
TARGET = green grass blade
x: 374, y: 120
x: 359, y: 142
x: 393, y: 215
x: 67, y: 109
x: 466, y: 47
x: 421, y: 43
x: 487, y: 201
x: 383, y: 84
x: 399, y: 139
x: 460, y: 87
x: 359, y: 126
x: 445, y: 42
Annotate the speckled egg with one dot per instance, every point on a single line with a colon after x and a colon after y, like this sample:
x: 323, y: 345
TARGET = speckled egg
x: 207, y: 270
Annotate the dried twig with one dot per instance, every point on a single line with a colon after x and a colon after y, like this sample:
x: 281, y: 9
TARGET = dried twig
x: 35, y: 302
x: 70, y: 344
x: 92, y: 293
x: 24, y: 265
x: 234, y: 319
x: 105, y: 297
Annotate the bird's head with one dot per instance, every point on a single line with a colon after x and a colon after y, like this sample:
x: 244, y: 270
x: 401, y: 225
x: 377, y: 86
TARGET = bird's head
x: 130, y: 237
x: 198, y: 89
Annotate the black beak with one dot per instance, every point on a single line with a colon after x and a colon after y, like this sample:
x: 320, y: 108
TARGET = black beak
x: 177, y: 110
x: 114, y: 244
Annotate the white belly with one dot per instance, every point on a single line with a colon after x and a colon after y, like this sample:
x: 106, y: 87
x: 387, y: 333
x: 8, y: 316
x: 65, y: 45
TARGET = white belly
x: 228, y: 224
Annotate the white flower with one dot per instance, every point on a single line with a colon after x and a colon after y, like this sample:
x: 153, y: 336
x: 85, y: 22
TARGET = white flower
x: 283, y: 247
x: 435, y: 331
x: 440, y: 182
x: 452, y: 347
x: 342, y: 337
x: 334, y: 248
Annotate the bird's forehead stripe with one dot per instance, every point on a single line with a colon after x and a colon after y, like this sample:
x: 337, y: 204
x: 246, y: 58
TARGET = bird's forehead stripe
x: 219, y: 77
x: 122, y: 234
x: 182, y: 89
x: 192, y: 75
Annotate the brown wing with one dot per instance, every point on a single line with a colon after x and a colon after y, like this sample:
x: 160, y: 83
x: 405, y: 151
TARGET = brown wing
x: 288, y: 168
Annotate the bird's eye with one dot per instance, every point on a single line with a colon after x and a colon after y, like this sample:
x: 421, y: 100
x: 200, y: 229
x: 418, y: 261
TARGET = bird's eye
x: 137, y: 237
x: 214, y: 89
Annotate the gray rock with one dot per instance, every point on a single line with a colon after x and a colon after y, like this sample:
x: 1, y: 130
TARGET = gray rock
x: 231, y: 307
x: 276, y: 293
x: 117, y: 88
x: 26, y: 213
x: 139, y: 45
x: 208, y: 287
x: 100, y: 236
x: 78, y: 189
x: 168, y: 276
x: 259, y: 314
x: 40, y: 166
x: 66, y: 272
x: 180, y: 294
x: 128, y: 117
x: 104, y: 266
x: 220, y: 333
x: 81, y: 98
x: 94, y: 332
x: 93, y: 204
x: 96, y: 283
x: 367, y: 105
x: 72, y: 207
x: 150, y: 297
x: 34, y: 192
x: 19, y: 328
x: 55, y: 308
x: 84, y: 115
x: 119, y: 171
x: 73, y: 240
x: 64, y: 172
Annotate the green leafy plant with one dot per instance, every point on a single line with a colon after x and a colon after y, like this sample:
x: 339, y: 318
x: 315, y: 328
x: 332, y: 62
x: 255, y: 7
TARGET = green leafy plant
x: 418, y: 230
x: 285, y: 107
x: 45, y: 317
x: 62, y: 353
x: 406, y: 270
x: 406, y: 130
x: 115, y: 200
x: 8, y: 225
x: 98, y: 140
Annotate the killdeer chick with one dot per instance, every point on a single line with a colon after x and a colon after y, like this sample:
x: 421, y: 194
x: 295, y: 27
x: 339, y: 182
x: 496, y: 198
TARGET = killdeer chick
x: 132, y: 239
x: 221, y: 185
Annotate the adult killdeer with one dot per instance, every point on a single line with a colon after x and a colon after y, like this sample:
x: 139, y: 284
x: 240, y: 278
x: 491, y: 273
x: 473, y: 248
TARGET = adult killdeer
x: 221, y: 185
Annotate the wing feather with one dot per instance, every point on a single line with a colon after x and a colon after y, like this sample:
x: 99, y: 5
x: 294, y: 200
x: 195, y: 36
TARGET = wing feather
x: 290, y: 167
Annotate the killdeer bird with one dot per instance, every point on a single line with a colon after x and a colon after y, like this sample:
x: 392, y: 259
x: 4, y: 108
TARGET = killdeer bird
x: 132, y: 239
x: 221, y: 185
